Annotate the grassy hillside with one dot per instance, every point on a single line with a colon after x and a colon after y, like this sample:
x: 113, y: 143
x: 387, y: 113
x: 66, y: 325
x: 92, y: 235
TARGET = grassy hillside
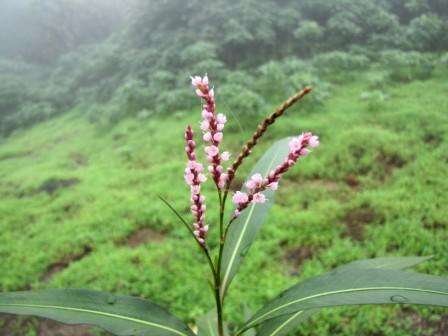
x: 80, y: 208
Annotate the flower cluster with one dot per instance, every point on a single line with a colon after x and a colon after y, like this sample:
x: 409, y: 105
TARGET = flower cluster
x: 298, y: 146
x: 212, y: 126
x: 194, y: 177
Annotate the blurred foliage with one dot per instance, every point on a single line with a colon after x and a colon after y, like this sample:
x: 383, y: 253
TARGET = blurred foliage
x: 407, y: 66
x: 144, y: 51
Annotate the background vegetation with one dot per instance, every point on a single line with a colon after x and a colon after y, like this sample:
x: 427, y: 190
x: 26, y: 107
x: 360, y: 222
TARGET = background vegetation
x: 93, y: 100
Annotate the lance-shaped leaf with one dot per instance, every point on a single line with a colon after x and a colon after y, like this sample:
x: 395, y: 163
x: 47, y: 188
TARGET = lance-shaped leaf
x: 242, y: 232
x: 356, y: 287
x: 281, y: 325
x: 121, y: 315
x: 208, y: 325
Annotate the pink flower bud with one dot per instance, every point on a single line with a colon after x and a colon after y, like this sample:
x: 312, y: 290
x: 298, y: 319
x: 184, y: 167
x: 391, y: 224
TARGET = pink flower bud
x: 314, y: 141
x: 257, y: 178
x: 189, y: 178
x: 273, y: 185
x: 196, y: 80
x: 304, y: 152
x: 207, y: 136
x: 225, y: 156
x: 217, y: 137
x: 212, y: 150
x: 259, y: 198
x: 240, y: 197
x: 205, y: 125
x: 251, y: 185
x: 199, y: 93
x: 221, y: 118
x: 295, y: 144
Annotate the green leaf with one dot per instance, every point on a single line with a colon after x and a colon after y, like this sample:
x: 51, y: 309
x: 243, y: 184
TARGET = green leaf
x: 121, y: 315
x: 243, y: 230
x: 208, y: 325
x: 397, y: 263
x: 281, y: 325
x: 356, y: 287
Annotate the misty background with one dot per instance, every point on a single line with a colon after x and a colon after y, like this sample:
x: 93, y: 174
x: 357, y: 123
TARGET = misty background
x: 59, y: 54
x: 94, y: 99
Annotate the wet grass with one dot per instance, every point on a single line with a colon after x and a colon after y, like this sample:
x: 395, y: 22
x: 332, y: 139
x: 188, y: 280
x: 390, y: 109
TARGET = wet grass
x: 376, y: 186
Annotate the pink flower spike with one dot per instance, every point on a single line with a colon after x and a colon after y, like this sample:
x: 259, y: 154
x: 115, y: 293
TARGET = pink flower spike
x: 194, y: 178
x: 211, y: 125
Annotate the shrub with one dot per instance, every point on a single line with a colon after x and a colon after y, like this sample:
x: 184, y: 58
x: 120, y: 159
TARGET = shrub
x: 407, y: 66
x: 377, y: 80
x: 374, y: 99
x: 27, y: 115
x: 282, y: 79
x: 174, y: 100
x: 132, y: 96
x: 321, y: 88
x: 444, y: 59
x: 339, y: 62
x: 427, y: 33
x: 240, y: 101
x: 309, y: 36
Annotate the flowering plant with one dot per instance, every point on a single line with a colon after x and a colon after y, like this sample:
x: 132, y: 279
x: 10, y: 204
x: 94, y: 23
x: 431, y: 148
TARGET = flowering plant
x: 371, y: 281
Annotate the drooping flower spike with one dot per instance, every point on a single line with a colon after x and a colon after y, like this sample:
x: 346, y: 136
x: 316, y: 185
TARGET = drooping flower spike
x: 212, y: 125
x: 298, y: 146
x: 194, y: 178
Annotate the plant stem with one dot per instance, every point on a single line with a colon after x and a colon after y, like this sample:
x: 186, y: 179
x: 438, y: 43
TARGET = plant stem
x: 219, y: 300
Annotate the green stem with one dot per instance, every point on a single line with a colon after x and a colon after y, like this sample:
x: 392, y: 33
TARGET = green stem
x: 219, y: 300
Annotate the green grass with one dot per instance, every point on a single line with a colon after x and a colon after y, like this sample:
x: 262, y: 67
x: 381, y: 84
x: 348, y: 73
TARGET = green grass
x: 376, y: 186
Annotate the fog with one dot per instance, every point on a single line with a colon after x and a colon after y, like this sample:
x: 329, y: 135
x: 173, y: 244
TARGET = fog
x: 95, y: 99
x: 41, y: 30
